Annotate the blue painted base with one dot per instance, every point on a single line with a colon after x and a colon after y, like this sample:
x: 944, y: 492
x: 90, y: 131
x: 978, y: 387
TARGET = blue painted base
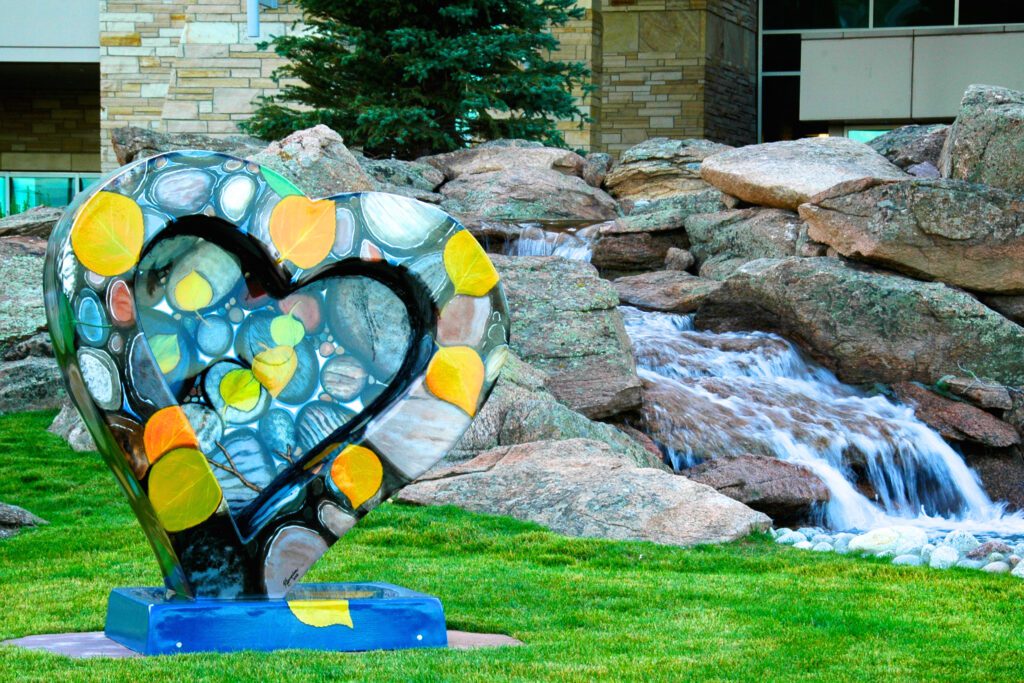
x: 340, y: 616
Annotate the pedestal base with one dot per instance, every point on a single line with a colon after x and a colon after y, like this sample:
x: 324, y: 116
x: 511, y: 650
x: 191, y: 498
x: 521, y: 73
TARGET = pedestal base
x: 342, y: 616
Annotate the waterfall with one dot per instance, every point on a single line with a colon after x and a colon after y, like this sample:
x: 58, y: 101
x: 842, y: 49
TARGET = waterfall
x: 569, y: 243
x: 707, y: 395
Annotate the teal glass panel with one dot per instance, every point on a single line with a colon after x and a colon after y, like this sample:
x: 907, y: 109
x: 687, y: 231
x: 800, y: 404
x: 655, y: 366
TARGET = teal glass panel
x: 29, y: 192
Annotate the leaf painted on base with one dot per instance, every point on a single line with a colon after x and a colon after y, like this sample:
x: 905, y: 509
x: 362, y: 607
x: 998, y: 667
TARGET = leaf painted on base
x: 183, y: 490
x: 321, y: 613
x: 456, y: 375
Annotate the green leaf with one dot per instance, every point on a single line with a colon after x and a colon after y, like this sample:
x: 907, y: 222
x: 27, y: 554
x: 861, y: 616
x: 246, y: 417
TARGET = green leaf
x: 240, y: 389
x: 166, y: 351
x: 287, y: 330
x: 279, y: 184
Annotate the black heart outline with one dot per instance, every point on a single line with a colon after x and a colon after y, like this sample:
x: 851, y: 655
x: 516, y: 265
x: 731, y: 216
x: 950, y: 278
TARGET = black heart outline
x: 273, y: 278
x: 181, y: 554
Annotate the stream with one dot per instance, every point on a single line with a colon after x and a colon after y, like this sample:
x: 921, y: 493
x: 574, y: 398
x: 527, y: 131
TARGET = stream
x: 709, y: 394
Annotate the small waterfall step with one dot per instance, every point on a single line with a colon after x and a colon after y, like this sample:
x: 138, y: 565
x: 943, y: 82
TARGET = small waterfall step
x: 708, y: 394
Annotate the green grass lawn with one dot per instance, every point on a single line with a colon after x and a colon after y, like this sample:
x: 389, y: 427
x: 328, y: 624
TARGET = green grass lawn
x: 586, y: 609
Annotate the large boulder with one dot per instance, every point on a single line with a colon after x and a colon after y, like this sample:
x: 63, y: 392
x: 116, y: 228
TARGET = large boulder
x: 955, y: 420
x: 641, y: 240
x: 520, y: 409
x: 869, y: 326
x: 14, y: 518
x: 21, y: 298
x: 909, y: 146
x: 740, y: 236
x: 565, y: 321
x: 785, y: 492
x: 523, y: 194
x: 68, y: 425
x: 963, y: 234
x: 506, y: 155
x: 672, y: 291
x: 131, y: 143
x: 317, y: 161
x: 585, y: 488
x: 986, y: 142
x: 660, y: 168
x: 395, y: 173
x: 786, y: 174
x: 36, y: 222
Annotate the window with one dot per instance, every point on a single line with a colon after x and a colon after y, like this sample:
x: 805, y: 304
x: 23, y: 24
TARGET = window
x: 801, y: 14
x: 781, y: 110
x: 781, y: 52
x: 866, y: 134
x: 992, y: 12
x: 894, y: 13
x: 21, y: 191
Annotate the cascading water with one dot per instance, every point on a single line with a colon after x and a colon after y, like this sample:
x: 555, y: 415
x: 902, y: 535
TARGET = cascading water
x: 570, y: 243
x: 712, y: 394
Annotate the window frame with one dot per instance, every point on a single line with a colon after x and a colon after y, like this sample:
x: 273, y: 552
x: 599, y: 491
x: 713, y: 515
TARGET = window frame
x: 80, y: 179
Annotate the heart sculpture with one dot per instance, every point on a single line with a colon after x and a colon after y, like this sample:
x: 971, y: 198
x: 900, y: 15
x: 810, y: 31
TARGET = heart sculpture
x: 260, y: 369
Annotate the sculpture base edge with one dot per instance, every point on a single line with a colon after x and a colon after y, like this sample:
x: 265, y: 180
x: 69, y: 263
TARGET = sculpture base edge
x: 343, y: 617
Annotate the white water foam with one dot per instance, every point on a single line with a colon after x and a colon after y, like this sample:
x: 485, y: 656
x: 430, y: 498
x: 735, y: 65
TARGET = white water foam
x: 533, y: 240
x: 712, y: 394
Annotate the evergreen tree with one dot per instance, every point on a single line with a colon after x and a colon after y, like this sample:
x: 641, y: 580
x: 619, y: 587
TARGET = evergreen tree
x: 414, y: 77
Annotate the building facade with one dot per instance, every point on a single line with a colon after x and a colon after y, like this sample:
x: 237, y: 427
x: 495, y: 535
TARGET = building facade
x: 734, y: 71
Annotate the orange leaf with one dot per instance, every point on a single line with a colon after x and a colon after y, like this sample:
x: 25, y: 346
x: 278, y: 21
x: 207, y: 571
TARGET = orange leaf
x: 303, y: 230
x: 275, y: 367
x: 357, y: 473
x: 167, y: 430
x: 456, y: 375
x: 107, y: 234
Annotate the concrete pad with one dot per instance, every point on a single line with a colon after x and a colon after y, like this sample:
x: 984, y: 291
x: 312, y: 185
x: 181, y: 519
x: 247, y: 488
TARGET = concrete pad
x: 96, y: 644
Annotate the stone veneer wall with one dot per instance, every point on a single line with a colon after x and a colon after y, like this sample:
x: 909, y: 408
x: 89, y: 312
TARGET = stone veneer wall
x: 183, y: 67
x: 52, y: 132
x: 580, y: 41
x: 676, y: 68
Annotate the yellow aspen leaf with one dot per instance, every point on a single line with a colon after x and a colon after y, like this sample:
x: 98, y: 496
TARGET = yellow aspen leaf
x: 107, y: 234
x: 166, y: 351
x: 240, y: 389
x: 275, y: 367
x: 303, y: 230
x: 167, y: 430
x: 193, y: 292
x: 357, y: 473
x: 467, y: 265
x: 182, y: 489
x: 456, y: 375
x: 321, y: 613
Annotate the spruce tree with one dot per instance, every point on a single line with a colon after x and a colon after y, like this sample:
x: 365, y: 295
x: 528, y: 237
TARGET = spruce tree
x: 406, y: 78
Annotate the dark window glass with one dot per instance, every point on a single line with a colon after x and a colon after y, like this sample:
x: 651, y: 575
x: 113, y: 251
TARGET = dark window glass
x: 781, y: 52
x: 780, y: 110
x: 992, y: 12
x: 795, y: 14
x: 889, y: 13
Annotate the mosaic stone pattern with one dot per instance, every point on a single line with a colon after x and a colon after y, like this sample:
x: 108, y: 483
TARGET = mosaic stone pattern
x: 258, y: 368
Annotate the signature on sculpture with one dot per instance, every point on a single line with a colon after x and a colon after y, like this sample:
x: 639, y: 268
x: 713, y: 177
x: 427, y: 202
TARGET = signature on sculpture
x: 260, y: 369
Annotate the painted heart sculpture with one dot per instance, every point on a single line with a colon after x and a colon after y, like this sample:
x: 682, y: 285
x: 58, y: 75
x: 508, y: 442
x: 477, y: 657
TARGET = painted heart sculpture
x: 260, y: 369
